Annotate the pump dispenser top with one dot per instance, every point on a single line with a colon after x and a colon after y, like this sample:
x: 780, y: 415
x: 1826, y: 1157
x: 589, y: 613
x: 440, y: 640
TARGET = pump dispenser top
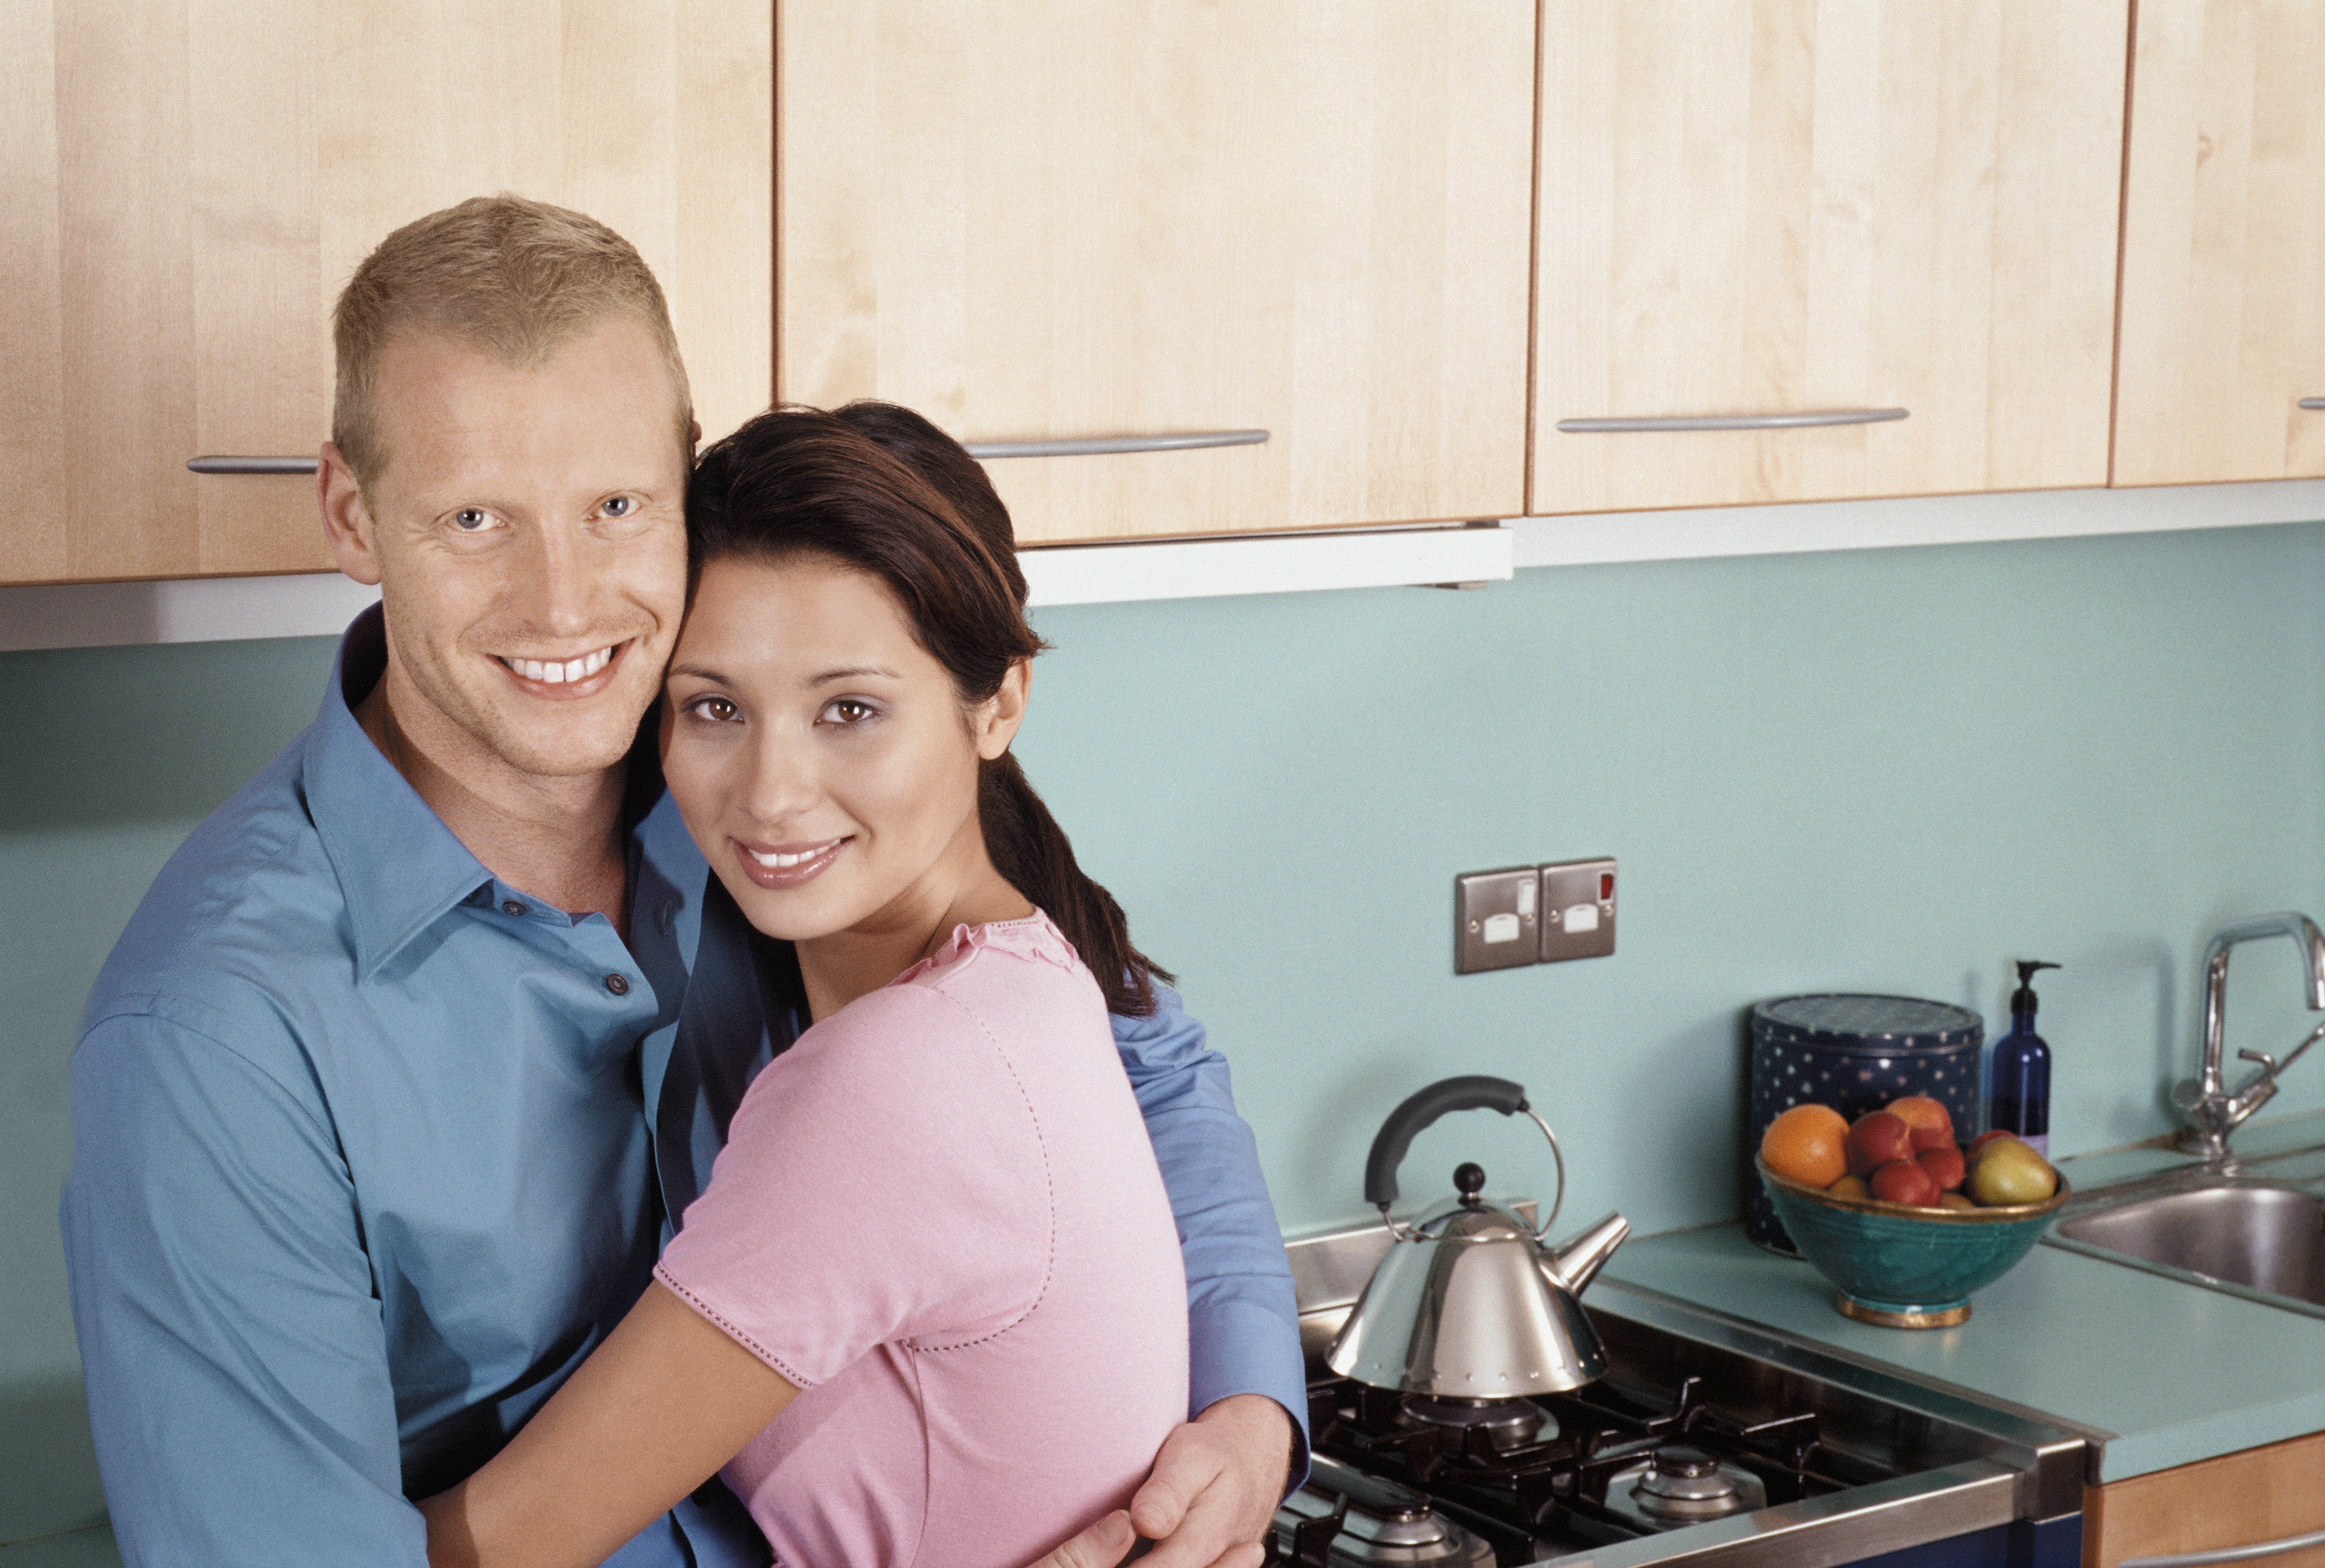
x: 2022, y: 1000
x: 2018, y: 1080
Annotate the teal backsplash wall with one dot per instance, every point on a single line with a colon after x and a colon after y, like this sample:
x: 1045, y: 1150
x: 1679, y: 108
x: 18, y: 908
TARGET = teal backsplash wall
x: 1892, y: 770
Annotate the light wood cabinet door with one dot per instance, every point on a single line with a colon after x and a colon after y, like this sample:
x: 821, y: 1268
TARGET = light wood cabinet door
x: 1777, y: 207
x: 1063, y: 220
x: 188, y: 182
x: 2224, y: 244
x: 2238, y: 1500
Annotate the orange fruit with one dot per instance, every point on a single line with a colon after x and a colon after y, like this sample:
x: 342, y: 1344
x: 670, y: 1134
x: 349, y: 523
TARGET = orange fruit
x: 1808, y: 1144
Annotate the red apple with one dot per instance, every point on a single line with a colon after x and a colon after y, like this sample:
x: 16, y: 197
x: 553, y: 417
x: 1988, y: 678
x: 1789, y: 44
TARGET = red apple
x: 1877, y: 1139
x: 1904, y: 1182
x: 1932, y: 1127
x: 1945, y: 1167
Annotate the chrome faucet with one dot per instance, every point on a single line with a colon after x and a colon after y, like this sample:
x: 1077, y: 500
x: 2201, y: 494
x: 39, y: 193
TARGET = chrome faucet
x: 2213, y: 1110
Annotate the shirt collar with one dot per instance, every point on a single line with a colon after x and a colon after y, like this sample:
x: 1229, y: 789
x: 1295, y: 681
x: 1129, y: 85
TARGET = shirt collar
x: 400, y: 867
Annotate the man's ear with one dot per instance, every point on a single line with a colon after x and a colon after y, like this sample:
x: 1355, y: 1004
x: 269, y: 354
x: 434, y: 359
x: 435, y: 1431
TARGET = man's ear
x: 1004, y: 711
x: 347, y: 521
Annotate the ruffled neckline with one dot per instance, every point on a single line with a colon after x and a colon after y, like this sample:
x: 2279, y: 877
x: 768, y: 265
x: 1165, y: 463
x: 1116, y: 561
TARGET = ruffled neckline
x: 1032, y: 936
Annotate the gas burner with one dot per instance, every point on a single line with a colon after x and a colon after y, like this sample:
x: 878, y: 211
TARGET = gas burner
x: 1680, y: 1484
x: 1502, y: 1424
x: 1344, y: 1519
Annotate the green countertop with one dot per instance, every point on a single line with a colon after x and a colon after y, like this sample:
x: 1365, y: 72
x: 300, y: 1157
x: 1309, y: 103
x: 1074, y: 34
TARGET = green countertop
x: 2156, y: 1371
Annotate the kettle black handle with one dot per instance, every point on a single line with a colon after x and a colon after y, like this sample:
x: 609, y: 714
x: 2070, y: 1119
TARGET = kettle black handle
x: 1420, y: 1109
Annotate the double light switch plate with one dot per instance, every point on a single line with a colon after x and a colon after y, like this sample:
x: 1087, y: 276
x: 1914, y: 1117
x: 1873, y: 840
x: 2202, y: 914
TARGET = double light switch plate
x: 1533, y: 915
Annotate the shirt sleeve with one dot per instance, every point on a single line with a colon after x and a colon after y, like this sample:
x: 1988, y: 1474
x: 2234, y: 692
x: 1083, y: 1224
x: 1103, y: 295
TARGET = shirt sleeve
x: 224, y: 1309
x: 1243, y: 1321
x: 812, y: 1245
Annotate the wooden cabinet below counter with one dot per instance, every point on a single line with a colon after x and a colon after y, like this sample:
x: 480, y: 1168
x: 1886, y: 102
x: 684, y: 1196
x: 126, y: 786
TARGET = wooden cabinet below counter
x: 2260, y: 1494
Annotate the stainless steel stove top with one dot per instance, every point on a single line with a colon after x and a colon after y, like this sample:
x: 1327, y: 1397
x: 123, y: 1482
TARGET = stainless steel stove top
x: 1710, y: 1442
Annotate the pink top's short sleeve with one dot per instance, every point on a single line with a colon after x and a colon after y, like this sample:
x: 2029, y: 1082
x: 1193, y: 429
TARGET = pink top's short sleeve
x: 939, y: 1215
x: 817, y: 1241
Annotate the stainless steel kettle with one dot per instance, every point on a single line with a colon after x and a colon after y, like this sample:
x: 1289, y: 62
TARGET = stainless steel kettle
x: 1469, y: 1302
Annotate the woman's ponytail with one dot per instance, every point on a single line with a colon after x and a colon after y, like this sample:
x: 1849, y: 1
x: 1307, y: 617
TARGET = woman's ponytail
x: 1031, y: 852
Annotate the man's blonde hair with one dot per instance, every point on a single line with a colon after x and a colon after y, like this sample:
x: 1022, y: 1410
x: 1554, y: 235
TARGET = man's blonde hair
x: 516, y: 278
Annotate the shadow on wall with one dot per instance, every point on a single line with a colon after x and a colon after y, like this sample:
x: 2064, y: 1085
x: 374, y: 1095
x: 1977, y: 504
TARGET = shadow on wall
x: 112, y: 737
x: 48, y: 1468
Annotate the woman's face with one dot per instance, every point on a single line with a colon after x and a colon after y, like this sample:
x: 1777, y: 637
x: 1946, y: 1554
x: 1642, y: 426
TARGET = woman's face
x: 819, y: 755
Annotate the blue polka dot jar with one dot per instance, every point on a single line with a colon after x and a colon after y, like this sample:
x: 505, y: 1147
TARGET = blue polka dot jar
x: 1854, y: 1053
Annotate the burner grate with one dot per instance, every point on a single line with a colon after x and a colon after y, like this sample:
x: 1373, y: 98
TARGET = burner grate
x: 1551, y: 1490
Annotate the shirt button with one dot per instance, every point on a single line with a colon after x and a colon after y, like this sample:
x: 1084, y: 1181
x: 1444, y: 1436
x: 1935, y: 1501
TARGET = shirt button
x: 617, y: 984
x: 510, y: 906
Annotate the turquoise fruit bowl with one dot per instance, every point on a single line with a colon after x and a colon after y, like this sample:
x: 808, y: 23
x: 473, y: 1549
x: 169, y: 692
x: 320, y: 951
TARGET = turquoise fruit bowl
x: 1900, y: 1266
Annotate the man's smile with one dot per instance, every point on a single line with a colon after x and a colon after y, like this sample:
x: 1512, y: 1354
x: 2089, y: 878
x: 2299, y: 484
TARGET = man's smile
x: 581, y: 675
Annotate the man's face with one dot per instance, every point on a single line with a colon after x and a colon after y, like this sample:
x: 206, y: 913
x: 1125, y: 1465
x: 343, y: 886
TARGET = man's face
x: 529, y: 537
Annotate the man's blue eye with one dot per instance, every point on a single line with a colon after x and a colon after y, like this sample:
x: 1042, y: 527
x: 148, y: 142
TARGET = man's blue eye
x: 621, y: 505
x: 471, y: 519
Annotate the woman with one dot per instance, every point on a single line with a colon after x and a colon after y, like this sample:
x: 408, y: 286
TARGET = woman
x: 930, y: 1305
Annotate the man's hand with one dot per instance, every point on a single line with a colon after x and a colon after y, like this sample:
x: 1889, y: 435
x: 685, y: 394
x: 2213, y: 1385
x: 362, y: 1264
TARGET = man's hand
x: 1206, y: 1503
x: 1102, y: 1545
x: 1216, y: 1485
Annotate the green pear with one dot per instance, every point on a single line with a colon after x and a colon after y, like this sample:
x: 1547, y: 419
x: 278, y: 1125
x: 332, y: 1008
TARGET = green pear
x: 2009, y: 1172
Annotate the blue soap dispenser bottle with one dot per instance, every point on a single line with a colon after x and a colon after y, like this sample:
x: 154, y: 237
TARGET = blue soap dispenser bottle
x: 2018, y: 1078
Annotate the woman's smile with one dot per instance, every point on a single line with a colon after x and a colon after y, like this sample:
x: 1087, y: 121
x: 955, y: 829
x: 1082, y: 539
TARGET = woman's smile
x: 787, y: 865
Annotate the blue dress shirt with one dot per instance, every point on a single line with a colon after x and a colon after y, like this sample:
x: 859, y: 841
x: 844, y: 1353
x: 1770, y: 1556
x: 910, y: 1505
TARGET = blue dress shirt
x: 363, y: 1167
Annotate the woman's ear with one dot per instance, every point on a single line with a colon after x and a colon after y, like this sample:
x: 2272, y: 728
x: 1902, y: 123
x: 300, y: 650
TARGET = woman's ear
x: 999, y: 715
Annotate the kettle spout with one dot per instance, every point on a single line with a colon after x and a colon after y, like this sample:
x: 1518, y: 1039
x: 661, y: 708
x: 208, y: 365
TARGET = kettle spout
x: 1575, y: 1264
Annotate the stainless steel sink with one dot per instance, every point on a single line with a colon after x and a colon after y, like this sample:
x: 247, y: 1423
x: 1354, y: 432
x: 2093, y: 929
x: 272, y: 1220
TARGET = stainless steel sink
x: 2261, y: 1239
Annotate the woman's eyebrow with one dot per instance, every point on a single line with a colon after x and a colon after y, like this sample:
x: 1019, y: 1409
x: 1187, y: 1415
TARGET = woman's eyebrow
x: 852, y: 671
x: 699, y: 672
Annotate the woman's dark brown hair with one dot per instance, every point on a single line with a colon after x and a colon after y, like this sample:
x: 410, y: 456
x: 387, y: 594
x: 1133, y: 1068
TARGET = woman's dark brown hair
x: 877, y: 488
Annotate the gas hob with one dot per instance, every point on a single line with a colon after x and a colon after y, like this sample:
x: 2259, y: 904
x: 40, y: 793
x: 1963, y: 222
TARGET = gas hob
x: 1709, y: 1442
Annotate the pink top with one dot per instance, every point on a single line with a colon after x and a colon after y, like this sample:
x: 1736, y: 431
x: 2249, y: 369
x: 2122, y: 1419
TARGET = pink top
x: 938, y: 1214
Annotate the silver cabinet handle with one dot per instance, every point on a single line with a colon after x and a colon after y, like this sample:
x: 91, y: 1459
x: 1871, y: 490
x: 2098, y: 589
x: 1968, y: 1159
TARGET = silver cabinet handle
x: 2230, y: 1553
x: 1090, y: 446
x: 1098, y: 446
x: 215, y: 465
x: 1732, y: 421
x: 2313, y: 402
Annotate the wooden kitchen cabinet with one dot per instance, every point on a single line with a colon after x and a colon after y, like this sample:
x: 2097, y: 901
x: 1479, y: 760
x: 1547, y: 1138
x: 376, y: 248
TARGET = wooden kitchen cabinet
x: 2260, y: 1494
x: 2223, y: 245
x: 1764, y: 207
x: 187, y: 183
x: 1062, y: 220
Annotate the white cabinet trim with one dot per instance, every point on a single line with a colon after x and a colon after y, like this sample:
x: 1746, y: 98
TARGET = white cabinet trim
x: 212, y: 610
x: 1712, y: 530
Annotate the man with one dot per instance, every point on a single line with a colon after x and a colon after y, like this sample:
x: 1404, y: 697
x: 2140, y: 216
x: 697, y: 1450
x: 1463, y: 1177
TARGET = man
x: 367, y: 1098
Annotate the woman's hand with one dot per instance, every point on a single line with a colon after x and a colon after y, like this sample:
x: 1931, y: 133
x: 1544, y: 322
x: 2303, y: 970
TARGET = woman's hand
x: 1208, y: 1501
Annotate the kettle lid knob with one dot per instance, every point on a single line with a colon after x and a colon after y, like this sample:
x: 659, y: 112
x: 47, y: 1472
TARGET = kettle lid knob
x: 1469, y: 1180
